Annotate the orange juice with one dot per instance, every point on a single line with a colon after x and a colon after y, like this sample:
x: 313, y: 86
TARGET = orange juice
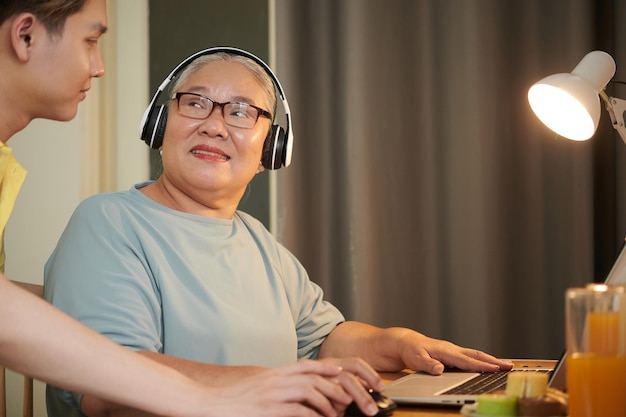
x: 603, y: 331
x: 596, y: 385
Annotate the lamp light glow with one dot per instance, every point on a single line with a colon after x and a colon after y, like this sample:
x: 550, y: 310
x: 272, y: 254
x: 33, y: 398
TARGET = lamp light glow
x: 563, y: 113
x: 569, y: 103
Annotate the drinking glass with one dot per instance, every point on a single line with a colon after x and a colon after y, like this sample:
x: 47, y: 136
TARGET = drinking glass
x: 595, y: 320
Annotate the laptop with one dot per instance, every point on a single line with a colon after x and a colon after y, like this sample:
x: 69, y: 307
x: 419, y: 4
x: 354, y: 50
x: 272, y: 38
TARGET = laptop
x: 456, y: 388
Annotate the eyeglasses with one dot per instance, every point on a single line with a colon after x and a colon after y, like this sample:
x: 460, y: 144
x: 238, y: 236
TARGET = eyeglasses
x: 236, y: 114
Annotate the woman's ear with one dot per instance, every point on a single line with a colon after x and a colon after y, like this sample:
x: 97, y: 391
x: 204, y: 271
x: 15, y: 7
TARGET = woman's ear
x: 260, y: 168
x: 23, y: 35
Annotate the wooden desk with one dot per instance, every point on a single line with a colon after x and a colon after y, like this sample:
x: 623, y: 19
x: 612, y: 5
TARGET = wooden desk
x: 433, y: 411
x: 406, y: 411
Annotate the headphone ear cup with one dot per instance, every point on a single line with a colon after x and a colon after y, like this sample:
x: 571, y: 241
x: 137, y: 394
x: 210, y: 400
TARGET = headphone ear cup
x: 274, y: 148
x: 154, y: 127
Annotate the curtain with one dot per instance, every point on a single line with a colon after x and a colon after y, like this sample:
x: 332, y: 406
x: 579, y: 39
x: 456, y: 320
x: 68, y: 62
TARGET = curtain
x: 423, y: 191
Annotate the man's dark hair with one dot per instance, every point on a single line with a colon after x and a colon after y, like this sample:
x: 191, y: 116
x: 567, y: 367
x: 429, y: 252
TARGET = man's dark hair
x: 52, y: 13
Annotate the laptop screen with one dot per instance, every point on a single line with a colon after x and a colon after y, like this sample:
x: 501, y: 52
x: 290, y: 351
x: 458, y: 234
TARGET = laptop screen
x: 617, y: 274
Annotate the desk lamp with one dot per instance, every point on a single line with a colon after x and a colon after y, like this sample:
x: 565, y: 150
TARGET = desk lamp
x: 569, y: 104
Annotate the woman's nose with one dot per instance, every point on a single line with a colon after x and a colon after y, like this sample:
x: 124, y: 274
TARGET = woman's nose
x: 214, y: 124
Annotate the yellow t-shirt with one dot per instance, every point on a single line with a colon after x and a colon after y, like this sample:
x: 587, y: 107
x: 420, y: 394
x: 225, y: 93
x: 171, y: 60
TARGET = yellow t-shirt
x: 11, y: 179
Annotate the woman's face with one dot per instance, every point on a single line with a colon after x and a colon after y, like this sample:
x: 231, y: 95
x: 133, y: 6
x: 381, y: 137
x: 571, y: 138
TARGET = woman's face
x: 209, y: 160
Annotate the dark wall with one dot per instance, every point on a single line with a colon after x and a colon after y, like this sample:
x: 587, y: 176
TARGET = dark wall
x: 179, y: 28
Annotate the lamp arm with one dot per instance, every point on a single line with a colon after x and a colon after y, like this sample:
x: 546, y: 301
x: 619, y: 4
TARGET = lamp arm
x: 616, y: 108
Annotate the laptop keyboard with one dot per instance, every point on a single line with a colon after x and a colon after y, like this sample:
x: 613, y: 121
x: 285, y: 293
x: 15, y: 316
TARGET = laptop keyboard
x: 485, y: 383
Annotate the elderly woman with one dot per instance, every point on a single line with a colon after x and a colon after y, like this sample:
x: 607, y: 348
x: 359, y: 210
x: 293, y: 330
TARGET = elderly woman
x: 173, y: 270
x: 49, y: 55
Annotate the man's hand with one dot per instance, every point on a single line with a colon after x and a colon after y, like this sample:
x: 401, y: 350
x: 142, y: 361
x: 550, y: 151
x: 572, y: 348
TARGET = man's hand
x: 305, y: 389
x: 356, y: 378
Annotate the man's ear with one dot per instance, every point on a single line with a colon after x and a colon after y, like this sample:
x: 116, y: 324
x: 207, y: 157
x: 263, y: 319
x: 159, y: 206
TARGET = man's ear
x: 23, y: 35
x: 260, y: 168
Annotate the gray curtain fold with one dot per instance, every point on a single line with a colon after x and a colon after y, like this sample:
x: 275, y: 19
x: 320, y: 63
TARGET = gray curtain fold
x: 423, y: 191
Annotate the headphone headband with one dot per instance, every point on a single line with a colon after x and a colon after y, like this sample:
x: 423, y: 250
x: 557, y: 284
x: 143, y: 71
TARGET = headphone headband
x: 278, y: 145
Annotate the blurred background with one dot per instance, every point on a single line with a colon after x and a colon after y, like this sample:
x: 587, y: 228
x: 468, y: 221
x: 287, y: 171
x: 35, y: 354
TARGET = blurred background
x: 424, y: 192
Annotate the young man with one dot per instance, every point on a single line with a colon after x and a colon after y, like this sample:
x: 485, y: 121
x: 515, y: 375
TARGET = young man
x: 48, y: 56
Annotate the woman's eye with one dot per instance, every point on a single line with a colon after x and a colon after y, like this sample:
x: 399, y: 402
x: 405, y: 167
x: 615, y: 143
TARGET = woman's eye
x: 196, y: 104
x: 240, y: 111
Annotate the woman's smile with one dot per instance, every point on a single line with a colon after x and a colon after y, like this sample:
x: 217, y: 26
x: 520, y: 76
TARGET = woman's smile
x: 209, y: 152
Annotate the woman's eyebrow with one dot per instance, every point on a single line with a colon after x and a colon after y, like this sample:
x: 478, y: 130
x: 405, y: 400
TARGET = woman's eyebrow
x: 203, y: 90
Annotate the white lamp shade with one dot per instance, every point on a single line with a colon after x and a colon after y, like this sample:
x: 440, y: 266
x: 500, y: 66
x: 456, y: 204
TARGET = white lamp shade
x: 569, y: 103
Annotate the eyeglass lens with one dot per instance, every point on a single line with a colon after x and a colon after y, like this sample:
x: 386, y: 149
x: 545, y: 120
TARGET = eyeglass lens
x: 235, y: 114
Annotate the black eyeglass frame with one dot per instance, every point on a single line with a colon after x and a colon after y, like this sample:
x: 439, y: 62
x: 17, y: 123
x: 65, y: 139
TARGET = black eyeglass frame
x: 260, y: 111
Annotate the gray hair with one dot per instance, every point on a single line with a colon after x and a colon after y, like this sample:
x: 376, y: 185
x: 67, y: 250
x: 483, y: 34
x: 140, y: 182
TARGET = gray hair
x: 257, y: 70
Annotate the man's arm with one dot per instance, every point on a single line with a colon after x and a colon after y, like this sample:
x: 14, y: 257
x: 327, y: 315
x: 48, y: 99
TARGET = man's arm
x: 207, y: 374
x: 348, y: 383
x: 38, y: 340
